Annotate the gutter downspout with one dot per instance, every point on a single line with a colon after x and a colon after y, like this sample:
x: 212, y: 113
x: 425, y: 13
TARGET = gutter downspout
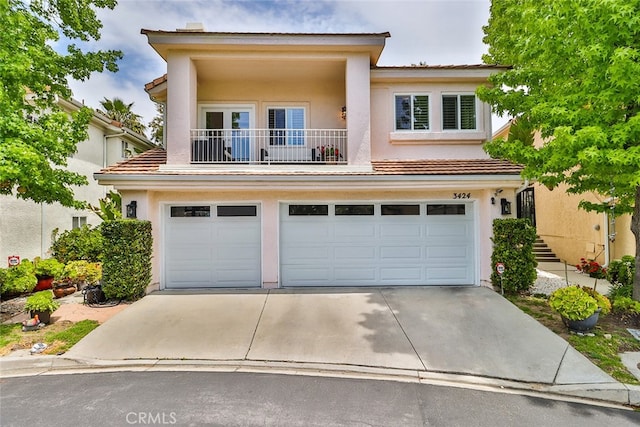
x: 525, y: 185
x: 607, y: 247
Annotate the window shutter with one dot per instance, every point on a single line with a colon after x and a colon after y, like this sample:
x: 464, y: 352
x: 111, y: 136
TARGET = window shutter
x: 467, y: 112
x: 449, y: 112
x: 421, y: 112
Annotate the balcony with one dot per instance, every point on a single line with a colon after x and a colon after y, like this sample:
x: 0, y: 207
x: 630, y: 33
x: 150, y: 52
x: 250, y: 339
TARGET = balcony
x: 269, y: 146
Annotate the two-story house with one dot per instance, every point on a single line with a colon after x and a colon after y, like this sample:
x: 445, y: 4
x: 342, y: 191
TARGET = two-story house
x: 294, y: 160
x: 26, y: 227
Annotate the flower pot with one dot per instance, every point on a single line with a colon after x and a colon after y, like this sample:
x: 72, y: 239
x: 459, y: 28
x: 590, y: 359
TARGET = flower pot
x: 44, y: 282
x: 43, y: 316
x: 62, y: 290
x: 583, y: 325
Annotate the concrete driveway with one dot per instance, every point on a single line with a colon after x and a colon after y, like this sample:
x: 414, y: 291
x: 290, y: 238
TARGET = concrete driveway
x: 453, y: 330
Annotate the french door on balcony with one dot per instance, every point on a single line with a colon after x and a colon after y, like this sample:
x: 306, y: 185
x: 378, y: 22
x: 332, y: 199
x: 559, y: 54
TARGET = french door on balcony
x: 230, y: 129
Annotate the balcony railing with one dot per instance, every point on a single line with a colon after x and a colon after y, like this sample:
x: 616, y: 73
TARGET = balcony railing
x: 267, y: 146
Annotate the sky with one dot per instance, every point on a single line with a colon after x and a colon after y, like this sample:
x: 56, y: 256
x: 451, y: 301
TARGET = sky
x: 438, y: 32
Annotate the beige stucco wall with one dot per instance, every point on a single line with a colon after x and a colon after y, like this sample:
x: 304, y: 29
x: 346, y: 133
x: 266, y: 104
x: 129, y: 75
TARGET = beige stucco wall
x: 151, y: 207
x: 574, y: 233
x: 386, y: 143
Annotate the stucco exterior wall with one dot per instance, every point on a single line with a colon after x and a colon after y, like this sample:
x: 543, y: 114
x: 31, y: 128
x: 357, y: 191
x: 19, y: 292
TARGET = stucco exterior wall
x: 435, y: 143
x: 151, y: 206
x: 574, y: 233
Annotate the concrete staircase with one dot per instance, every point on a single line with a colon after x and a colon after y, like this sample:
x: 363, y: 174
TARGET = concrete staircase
x: 543, y: 253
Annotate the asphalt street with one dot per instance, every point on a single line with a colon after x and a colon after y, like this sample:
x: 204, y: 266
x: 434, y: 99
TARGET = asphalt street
x: 248, y: 399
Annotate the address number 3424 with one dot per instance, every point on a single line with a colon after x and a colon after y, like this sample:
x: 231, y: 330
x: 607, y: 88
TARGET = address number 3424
x: 461, y: 195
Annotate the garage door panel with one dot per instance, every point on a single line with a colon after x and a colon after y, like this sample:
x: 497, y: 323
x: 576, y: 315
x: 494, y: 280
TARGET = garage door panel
x: 311, y: 231
x: 444, y: 253
x: 353, y: 230
x: 401, y: 252
x: 456, y: 275
x: 306, y: 254
x: 398, y: 275
x: 348, y: 254
x: 397, y: 231
x: 355, y: 274
x: 307, y: 275
x: 448, y: 230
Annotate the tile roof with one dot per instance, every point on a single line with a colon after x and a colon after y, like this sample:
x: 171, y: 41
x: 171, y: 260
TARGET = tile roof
x: 446, y: 167
x: 149, y: 162
x: 156, y: 82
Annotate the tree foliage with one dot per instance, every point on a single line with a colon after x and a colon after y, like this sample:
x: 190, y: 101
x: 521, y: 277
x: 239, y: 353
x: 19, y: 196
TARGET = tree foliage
x: 36, y: 136
x: 157, y: 125
x: 118, y: 110
x: 575, y: 77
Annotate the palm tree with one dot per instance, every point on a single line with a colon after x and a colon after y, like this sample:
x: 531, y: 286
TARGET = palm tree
x: 120, y: 111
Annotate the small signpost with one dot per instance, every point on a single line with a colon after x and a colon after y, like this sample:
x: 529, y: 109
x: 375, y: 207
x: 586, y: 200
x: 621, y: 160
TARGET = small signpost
x: 500, y: 271
x: 13, y: 260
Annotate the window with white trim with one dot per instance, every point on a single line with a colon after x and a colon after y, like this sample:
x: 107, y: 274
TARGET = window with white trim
x: 412, y: 112
x: 286, y: 126
x: 459, y: 112
x: 78, y: 221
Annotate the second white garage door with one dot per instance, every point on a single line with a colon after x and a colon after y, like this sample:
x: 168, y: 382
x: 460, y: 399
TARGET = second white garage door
x: 377, y: 244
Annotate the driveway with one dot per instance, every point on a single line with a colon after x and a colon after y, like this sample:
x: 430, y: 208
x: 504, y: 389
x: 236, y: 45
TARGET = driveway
x: 454, y: 330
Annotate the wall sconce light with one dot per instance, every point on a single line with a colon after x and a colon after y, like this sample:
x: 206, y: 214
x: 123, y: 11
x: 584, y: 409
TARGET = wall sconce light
x: 131, y: 209
x: 493, y: 200
x: 505, y: 207
x: 343, y: 113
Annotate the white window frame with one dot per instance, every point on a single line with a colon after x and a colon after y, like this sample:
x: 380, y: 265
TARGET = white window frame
x: 78, y: 222
x: 459, y: 111
x: 412, y: 95
x: 286, y: 107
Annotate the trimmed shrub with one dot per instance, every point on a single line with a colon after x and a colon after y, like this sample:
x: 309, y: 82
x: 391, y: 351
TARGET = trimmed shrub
x: 126, y: 270
x: 626, y: 304
x: 18, y: 279
x: 83, y: 243
x: 513, y: 240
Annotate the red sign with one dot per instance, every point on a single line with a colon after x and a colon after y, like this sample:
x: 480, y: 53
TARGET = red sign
x: 13, y: 260
x: 500, y: 268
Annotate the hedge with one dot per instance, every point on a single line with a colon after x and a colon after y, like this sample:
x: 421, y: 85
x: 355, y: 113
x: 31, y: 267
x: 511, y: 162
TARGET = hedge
x: 513, y: 240
x: 126, y: 269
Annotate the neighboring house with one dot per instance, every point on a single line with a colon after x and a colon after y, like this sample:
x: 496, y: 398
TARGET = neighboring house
x: 26, y: 226
x: 573, y: 233
x: 294, y: 160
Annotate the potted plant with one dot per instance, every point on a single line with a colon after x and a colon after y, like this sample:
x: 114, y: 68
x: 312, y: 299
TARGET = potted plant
x: 18, y: 279
x: 579, y: 307
x: 46, y: 271
x: 83, y: 273
x: 593, y: 269
x: 42, y: 304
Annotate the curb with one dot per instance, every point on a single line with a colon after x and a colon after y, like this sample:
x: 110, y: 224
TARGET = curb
x: 613, y: 393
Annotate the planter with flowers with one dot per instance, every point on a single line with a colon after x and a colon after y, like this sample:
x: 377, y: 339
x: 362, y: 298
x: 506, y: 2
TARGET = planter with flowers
x: 47, y: 270
x: 579, y: 307
x: 593, y: 269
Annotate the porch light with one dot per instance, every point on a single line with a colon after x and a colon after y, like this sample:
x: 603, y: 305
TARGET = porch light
x: 343, y: 113
x: 131, y: 209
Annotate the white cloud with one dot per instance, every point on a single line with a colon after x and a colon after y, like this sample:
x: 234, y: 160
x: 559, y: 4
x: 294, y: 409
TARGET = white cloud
x: 435, y: 31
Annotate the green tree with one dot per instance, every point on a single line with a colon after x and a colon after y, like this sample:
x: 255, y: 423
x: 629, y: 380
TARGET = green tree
x: 116, y: 109
x: 157, y: 125
x: 574, y: 76
x: 36, y: 136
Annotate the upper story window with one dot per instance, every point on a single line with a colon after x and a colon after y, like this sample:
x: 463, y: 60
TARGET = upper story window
x: 412, y: 112
x: 458, y: 112
x: 287, y: 124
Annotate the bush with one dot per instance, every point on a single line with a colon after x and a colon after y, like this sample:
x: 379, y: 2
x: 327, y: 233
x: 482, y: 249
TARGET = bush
x: 84, y: 243
x: 83, y: 271
x: 19, y: 279
x: 49, y: 267
x: 41, y: 301
x: 573, y: 303
x: 513, y: 241
x: 620, y: 275
x: 622, y: 304
x: 126, y: 271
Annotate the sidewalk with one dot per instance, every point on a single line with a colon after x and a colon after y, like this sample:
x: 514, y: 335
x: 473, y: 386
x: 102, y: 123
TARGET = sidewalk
x: 461, y: 336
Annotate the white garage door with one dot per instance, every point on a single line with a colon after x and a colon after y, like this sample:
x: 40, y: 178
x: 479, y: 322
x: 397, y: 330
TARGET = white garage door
x: 212, y: 246
x: 377, y: 244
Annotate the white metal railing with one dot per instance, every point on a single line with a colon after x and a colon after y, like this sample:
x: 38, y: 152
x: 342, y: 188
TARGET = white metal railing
x: 266, y: 146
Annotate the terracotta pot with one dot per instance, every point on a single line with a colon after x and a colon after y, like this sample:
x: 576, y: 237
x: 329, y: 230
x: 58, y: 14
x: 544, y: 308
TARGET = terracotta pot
x: 44, y: 282
x: 60, y: 291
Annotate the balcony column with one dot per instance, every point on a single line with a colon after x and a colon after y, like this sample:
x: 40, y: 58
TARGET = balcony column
x: 358, y: 103
x: 181, y: 108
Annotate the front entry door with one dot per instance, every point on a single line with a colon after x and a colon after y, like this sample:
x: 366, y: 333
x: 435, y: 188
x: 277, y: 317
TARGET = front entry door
x: 527, y: 205
x: 232, y: 126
